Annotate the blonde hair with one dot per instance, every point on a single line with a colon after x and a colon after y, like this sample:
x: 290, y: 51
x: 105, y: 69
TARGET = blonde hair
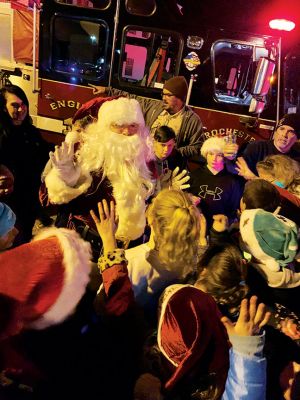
x: 175, y: 222
x: 281, y: 167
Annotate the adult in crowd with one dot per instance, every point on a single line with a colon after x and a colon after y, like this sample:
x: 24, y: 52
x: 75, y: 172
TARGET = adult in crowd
x: 219, y: 190
x: 111, y: 162
x: 286, y: 134
x: 171, y: 111
x: 24, y: 152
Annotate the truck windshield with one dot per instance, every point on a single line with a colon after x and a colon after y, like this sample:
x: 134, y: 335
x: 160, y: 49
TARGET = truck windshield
x: 78, y: 48
x: 149, y: 57
x: 234, y: 66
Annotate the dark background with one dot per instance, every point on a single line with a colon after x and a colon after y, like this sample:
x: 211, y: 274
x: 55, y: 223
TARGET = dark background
x: 244, y: 15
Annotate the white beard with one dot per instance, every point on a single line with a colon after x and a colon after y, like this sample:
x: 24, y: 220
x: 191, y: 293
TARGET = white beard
x: 123, y: 160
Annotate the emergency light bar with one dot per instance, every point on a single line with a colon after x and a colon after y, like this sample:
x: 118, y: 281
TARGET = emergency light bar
x: 282, y: 24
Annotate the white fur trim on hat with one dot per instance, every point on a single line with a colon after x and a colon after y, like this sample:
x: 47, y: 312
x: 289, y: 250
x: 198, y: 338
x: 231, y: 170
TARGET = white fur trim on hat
x: 73, y: 137
x: 212, y: 144
x: 163, y: 303
x: 77, y: 266
x: 120, y: 111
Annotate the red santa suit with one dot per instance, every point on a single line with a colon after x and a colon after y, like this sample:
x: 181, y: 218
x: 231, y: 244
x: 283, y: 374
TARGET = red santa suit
x: 107, y: 165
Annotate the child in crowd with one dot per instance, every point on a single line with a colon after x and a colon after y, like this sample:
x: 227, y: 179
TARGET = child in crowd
x: 171, y: 253
x: 164, y: 146
x: 222, y: 274
x: 8, y: 231
x: 225, y: 275
x: 259, y: 193
x: 220, y: 191
x: 191, y: 358
x: 170, y: 165
x: 41, y: 284
x: 271, y: 240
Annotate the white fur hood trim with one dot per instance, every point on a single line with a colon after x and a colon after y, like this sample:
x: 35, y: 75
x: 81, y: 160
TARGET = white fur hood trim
x: 77, y: 266
x: 59, y: 192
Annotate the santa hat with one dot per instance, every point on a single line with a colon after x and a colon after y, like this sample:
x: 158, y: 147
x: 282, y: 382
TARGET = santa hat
x: 120, y: 111
x: 91, y: 108
x: 191, y: 335
x: 177, y: 86
x: 7, y: 219
x: 270, y: 238
x: 212, y: 144
x: 292, y: 120
x: 43, y: 281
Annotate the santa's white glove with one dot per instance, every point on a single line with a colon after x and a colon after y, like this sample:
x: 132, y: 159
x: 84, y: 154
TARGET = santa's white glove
x: 62, y: 160
x: 178, y: 180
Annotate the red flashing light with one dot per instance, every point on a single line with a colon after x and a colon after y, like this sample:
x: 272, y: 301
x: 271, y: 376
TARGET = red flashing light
x: 282, y: 24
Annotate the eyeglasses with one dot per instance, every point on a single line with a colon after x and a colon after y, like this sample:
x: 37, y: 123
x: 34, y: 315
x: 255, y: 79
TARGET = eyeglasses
x: 166, y: 94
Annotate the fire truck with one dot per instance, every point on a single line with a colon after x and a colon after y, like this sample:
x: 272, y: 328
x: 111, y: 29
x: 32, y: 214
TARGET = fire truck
x: 61, y: 51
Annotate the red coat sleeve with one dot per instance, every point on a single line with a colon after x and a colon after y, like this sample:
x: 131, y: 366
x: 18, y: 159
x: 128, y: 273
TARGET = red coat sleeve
x: 118, y: 289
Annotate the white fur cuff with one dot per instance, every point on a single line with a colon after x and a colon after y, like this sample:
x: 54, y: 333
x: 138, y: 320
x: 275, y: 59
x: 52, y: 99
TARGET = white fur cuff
x: 59, y: 192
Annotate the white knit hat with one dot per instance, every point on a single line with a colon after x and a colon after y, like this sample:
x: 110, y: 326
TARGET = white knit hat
x: 212, y: 144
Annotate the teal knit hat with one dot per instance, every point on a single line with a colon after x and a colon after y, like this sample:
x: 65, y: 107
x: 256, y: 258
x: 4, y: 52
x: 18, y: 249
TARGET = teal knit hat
x: 270, y: 238
x: 7, y: 219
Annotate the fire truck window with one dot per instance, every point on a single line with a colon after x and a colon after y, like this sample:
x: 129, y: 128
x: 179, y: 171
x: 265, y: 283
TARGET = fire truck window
x: 78, y: 49
x: 291, y: 81
x: 144, y: 8
x: 98, y: 4
x: 234, y: 67
x: 149, y: 58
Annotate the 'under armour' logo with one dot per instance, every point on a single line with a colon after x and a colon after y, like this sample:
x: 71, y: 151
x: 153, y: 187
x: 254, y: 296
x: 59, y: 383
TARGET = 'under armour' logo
x: 204, y: 191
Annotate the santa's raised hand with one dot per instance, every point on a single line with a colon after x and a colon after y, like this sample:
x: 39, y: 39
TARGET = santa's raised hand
x: 62, y: 160
x: 179, y: 179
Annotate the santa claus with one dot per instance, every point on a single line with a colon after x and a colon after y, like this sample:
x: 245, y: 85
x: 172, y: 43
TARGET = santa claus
x: 111, y: 163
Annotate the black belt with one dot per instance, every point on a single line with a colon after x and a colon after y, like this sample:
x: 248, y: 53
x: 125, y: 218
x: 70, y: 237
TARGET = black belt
x: 90, y: 236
